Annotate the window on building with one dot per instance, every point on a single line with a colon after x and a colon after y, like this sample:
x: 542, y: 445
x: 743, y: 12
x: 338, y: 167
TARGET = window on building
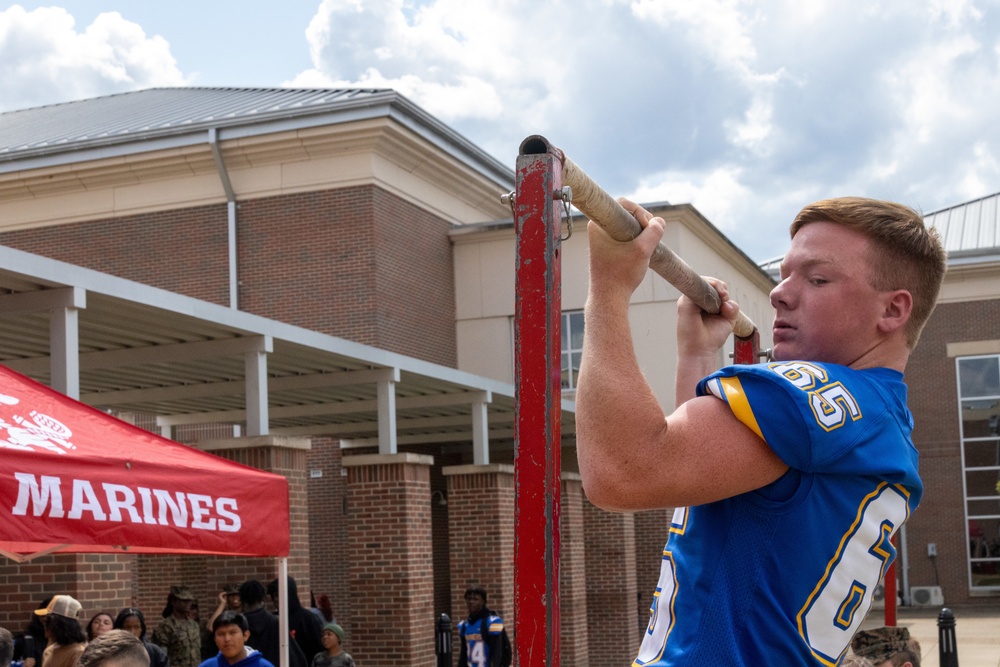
x: 572, y: 347
x: 979, y: 399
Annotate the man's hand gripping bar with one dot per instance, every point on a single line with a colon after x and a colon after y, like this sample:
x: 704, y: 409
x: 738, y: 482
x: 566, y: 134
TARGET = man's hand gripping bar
x: 600, y: 207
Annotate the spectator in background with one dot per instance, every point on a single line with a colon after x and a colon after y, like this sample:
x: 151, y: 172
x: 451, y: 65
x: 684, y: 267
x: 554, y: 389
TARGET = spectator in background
x: 321, y: 607
x: 852, y: 660
x: 115, y: 648
x: 63, y: 631
x: 263, y: 626
x: 28, y: 645
x: 132, y: 620
x: 178, y: 633
x: 889, y: 646
x: 99, y: 623
x: 333, y: 654
x: 231, y: 633
x: 6, y: 647
x: 229, y: 598
x: 304, y: 625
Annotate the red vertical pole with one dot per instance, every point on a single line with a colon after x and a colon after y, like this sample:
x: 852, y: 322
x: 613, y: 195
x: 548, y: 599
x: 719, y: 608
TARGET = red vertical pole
x: 747, y: 350
x: 889, y: 585
x: 537, y: 216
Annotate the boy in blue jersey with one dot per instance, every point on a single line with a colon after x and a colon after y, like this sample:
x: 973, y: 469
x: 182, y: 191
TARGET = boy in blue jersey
x: 481, y: 634
x: 790, y: 478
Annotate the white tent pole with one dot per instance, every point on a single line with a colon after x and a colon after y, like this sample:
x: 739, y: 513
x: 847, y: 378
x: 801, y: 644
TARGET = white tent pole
x: 283, y: 610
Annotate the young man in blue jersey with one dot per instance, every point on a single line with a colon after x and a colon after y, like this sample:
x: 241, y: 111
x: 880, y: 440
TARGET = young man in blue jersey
x: 481, y: 635
x: 788, y: 479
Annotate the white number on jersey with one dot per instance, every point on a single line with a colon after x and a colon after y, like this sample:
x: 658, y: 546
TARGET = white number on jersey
x: 661, y: 620
x: 843, y: 596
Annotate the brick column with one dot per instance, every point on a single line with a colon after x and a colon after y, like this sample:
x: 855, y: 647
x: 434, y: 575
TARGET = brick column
x: 282, y: 455
x: 481, y: 537
x: 573, y: 634
x: 391, y: 570
x: 101, y: 582
x: 611, y: 590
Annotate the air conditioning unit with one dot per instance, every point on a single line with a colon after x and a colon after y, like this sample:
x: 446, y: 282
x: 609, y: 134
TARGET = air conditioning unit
x: 926, y: 596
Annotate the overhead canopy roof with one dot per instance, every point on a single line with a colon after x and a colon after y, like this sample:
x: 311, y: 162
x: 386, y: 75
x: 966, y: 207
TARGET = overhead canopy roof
x: 147, y: 350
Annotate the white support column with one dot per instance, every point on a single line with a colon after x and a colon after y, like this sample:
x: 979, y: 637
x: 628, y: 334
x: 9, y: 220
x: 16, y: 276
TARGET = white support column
x: 480, y: 431
x: 64, y: 342
x: 387, y: 417
x: 64, y: 351
x: 166, y: 430
x: 255, y: 364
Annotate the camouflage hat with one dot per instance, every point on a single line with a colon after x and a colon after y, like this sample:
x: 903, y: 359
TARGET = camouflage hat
x: 880, y: 644
x: 181, y: 592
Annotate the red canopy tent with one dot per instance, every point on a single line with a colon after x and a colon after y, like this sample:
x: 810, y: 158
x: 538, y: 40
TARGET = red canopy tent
x: 76, y: 480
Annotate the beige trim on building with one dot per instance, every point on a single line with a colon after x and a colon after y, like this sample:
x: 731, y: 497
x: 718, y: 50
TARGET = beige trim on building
x: 973, y: 348
x: 371, y: 152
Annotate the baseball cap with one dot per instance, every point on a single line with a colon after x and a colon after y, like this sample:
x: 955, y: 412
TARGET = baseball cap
x: 61, y: 605
x: 181, y: 592
x: 880, y: 644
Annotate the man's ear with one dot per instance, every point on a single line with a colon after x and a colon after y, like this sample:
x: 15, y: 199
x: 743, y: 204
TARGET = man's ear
x: 896, y: 311
x: 246, y: 637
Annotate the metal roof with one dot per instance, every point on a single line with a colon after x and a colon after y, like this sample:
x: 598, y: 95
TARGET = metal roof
x: 147, y: 350
x: 969, y: 228
x: 162, y: 118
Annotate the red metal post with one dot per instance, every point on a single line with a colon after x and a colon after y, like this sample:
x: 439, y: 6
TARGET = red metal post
x: 537, y: 216
x: 747, y: 350
x: 889, y: 586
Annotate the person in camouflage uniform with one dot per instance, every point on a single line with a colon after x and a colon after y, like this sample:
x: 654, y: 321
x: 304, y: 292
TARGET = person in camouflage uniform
x: 887, y: 647
x: 179, y: 634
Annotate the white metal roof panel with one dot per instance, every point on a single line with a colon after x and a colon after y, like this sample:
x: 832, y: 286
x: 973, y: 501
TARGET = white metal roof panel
x: 972, y: 227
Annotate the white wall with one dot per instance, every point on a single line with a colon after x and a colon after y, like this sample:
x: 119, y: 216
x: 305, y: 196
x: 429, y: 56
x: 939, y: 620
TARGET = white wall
x: 485, y: 289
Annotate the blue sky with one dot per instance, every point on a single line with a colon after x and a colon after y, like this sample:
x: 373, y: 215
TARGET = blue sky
x: 748, y: 109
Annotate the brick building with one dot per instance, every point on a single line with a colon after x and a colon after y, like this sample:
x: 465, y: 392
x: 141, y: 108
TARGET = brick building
x: 320, y: 283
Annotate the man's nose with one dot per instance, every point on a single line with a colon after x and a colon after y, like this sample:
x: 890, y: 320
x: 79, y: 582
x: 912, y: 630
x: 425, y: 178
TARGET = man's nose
x: 780, y: 294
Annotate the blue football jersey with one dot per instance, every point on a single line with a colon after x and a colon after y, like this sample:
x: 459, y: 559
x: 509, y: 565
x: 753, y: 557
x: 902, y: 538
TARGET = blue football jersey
x: 785, y: 574
x: 474, y: 634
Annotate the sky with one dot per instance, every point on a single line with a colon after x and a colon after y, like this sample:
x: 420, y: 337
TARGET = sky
x: 747, y: 109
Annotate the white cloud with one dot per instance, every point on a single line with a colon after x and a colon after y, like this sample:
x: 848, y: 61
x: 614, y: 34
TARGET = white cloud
x: 44, y: 59
x: 748, y: 109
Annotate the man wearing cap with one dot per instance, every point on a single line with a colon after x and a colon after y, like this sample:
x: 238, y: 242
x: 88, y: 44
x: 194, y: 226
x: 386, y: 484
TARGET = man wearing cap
x: 63, y: 630
x: 6, y: 647
x: 888, y: 646
x: 333, y: 653
x: 178, y: 633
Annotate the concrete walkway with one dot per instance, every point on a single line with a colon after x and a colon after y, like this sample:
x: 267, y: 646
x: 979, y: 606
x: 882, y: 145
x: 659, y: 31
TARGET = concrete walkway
x: 977, y: 633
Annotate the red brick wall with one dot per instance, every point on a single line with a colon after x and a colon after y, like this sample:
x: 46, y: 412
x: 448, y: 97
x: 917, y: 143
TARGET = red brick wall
x: 611, y: 592
x: 933, y: 399
x: 101, y: 582
x: 391, y: 579
x: 573, y: 633
x: 358, y: 263
x: 328, y: 565
x: 184, y: 251
x: 481, y: 527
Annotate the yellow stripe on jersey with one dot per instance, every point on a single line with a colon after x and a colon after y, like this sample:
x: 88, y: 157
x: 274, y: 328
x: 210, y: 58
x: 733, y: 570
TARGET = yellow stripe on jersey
x: 739, y: 404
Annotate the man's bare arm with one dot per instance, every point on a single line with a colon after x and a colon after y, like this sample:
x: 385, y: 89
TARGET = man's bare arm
x: 632, y: 456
